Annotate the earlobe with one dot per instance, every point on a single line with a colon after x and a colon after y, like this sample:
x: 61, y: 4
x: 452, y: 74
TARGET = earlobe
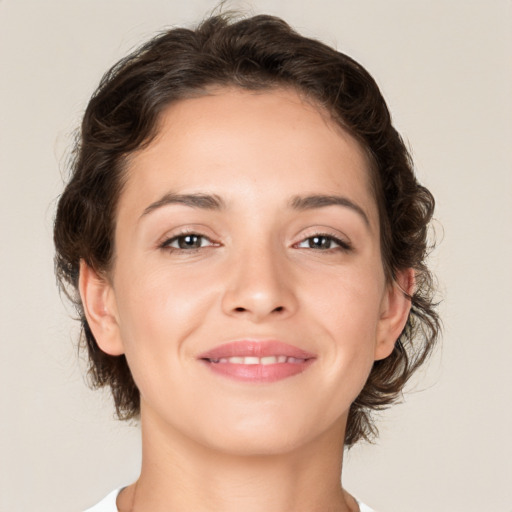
x: 99, y: 305
x: 396, y: 306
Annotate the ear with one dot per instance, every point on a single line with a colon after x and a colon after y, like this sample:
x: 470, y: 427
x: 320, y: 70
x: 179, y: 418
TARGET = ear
x: 100, y: 309
x: 395, y: 309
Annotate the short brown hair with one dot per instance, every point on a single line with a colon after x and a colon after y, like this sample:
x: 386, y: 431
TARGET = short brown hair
x: 260, y: 52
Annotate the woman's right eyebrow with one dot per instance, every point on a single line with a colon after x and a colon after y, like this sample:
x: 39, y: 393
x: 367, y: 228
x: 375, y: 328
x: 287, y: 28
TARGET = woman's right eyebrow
x: 202, y: 201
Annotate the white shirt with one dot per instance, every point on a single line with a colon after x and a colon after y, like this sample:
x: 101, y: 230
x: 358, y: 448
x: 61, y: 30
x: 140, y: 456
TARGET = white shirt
x: 108, y: 504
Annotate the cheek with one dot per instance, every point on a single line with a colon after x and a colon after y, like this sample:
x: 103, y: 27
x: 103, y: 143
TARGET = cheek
x: 157, y: 311
x: 156, y: 318
x: 348, y: 302
x: 348, y: 316
x: 161, y: 296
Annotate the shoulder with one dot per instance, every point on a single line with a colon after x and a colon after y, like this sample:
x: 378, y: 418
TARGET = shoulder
x: 107, y: 504
x: 364, y: 508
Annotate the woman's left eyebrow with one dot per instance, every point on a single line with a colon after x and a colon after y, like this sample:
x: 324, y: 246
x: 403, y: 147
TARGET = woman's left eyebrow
x: 321, y: 201
x: 201, y: 201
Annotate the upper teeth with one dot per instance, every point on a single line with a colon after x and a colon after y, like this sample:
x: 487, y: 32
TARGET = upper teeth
x: 258, y: 360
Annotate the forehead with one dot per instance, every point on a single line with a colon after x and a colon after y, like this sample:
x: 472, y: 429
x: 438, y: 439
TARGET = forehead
x: 234, y: 143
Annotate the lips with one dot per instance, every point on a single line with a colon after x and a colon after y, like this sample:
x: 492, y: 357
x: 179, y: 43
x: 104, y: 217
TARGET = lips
x: 257, y: 361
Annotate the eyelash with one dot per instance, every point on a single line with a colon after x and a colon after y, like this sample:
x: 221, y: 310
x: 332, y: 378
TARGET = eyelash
x: 341, y: 244
x: 167, y: 243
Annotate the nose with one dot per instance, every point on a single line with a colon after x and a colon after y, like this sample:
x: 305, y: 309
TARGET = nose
x: 260, y: 286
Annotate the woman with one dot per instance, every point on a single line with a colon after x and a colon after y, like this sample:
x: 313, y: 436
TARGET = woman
x: 245, y: 240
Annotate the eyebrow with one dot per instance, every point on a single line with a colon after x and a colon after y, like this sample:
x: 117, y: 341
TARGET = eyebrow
x: 322, y: 201
x: 215, y: 202
x: 201, y: 201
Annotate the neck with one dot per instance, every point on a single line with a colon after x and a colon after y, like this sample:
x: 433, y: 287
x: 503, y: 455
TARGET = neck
x: 179, y: 474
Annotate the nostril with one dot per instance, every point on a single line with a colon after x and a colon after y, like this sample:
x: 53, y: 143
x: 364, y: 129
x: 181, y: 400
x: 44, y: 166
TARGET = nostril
x: 241, y: 309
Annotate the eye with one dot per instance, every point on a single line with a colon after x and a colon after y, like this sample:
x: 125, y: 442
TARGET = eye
x: 187, y: 241
x: 323, y: 242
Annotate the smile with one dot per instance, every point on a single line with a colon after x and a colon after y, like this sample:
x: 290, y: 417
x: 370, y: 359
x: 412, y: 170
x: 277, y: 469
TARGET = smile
x: 257, y: 361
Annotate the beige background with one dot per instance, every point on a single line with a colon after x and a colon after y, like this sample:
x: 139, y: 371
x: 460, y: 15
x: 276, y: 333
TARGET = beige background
x: 445, y: 68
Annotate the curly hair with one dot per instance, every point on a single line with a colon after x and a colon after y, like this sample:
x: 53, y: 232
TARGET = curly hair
x: 260, y: 52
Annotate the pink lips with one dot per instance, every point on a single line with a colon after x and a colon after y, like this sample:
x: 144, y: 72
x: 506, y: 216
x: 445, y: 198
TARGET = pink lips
x: 257, y: 361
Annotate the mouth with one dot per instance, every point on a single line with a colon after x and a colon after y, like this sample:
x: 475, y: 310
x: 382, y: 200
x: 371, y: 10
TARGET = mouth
x: 257, y: 361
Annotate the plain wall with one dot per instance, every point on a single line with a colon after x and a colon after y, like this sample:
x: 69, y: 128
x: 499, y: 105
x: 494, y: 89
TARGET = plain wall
x: 445, y: 68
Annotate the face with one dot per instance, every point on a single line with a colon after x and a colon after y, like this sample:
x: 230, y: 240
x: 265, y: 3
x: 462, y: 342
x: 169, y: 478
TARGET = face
x: 247, y: 290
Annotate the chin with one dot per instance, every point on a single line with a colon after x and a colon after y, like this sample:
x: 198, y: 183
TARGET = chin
x: 272, y: 436
x: 268, y: 444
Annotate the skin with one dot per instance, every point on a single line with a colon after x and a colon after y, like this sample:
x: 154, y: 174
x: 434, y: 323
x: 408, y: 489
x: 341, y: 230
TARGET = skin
x: 212, y: 443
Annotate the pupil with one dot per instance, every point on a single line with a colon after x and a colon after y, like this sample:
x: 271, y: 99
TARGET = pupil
x: 320, y: 242
x: 189, y: 241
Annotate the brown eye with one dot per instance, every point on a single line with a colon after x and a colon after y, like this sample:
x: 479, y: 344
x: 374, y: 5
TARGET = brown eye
x: 323, y: 243
x: 189, y: 241
x: 320, y: 242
